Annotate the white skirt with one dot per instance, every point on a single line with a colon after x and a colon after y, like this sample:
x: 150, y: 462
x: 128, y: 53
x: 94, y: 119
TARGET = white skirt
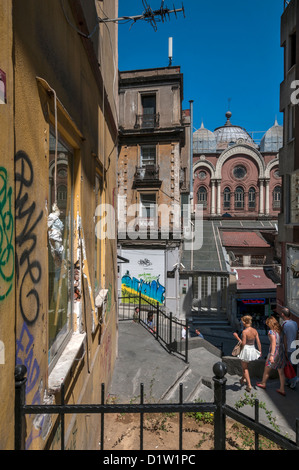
x: 249, y: 353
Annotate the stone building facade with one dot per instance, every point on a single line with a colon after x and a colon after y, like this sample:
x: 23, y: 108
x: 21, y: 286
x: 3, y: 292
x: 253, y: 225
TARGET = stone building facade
x: 288, y: 294
x: 153, y: 177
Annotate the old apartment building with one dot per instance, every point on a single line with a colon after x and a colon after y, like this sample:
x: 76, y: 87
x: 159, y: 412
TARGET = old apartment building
x: 59, y: 127
x: 153, y: 182
x: 288, y: 294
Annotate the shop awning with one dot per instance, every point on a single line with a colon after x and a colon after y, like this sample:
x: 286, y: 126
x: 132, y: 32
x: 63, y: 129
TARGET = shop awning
x: 243, y: 239
x: 253, y: 279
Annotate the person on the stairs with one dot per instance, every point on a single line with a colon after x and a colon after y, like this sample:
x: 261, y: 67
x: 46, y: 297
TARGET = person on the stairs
x: 248, y: 352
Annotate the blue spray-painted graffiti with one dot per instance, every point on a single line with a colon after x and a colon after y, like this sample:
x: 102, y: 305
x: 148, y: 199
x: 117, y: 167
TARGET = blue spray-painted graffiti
x: 25, y: 350
x: 154, y: 290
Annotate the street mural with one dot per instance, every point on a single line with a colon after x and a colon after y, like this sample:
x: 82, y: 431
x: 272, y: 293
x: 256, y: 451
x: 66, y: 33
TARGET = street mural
x: 150, y: 290
x: 144, y: 274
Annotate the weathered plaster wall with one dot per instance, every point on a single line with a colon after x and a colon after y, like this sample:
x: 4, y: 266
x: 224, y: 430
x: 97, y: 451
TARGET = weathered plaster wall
x: 47, y: 47
x: 7, y: 248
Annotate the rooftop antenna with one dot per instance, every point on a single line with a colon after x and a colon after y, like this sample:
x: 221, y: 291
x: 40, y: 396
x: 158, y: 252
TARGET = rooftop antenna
x: 149, y: 15
x: 170, y: 50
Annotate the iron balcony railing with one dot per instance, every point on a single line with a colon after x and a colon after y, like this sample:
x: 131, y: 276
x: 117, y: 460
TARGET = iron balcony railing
x: 147, y: 121
x: 147, y: 175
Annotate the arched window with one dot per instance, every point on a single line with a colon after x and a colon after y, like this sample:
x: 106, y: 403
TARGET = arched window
x: 251, y: 198
x: 226, y: 198
x: 277, y: 197
x: 202, y: 196
x: 239, y: 198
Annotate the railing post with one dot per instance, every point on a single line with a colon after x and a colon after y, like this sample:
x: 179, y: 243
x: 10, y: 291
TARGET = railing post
x: 158, y: 318
x: 186, y: 343
x: 170, y: 329
x: 219, y: 370
x: 20, y: 401
x: 256, y: 419
x: 139, y: 306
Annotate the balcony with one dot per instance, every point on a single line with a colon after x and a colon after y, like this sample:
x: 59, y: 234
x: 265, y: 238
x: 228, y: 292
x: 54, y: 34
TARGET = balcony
x: 147, y: 176
x: 147, y: 121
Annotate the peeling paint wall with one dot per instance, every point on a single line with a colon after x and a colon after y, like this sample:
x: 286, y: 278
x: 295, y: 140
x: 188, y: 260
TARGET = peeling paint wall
x: 55, y: 81
x: 7, y: 248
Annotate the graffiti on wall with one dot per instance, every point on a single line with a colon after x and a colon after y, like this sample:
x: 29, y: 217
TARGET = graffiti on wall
x: 28, y: 275
x: 150, y: 290
x: 6, y: 236
x: 25, y: 355
x: 26, y: 260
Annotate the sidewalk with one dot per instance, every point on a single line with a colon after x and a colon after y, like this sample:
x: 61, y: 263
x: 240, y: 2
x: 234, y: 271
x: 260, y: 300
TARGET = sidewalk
x: 141, y: 359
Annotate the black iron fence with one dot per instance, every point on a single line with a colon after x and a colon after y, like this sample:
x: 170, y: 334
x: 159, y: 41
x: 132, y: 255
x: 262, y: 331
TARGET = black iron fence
x: 168, y: 330
x: 219, y: 407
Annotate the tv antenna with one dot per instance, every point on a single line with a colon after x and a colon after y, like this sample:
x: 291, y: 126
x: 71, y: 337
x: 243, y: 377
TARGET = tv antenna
x: 149, y: 15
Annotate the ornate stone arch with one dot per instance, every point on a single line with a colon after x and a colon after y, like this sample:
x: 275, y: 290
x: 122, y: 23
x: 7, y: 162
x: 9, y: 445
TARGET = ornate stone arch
x: 243, y: 150
x: 204, y: 164
x: 270, y: 166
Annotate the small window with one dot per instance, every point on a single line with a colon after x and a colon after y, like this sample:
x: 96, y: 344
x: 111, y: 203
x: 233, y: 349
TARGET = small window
x: 148, y: 206
x: 202, y: 196
x: 148, y: 155
x: 277, y: 197
x: 251, y: 198
x: 148, y: 110
x: 239, y: 198
x: 226, y: 198
x: 239, y: 172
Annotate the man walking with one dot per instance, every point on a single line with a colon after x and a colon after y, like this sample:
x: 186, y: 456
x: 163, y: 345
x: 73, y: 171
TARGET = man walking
x: 290, y: 331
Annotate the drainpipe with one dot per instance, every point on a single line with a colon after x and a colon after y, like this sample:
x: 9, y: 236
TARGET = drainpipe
x: 191, y: 177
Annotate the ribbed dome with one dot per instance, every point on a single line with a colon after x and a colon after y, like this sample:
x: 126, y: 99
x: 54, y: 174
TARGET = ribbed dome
x: 204, y: 141
x: 272, y: 141
x: 229, y: 134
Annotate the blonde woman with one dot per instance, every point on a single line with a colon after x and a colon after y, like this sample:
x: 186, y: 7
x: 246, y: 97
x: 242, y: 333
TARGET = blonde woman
x: 276, y: 356
x: 248, y: 352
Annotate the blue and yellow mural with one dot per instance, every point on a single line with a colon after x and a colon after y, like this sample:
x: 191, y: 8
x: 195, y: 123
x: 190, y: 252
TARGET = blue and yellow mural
x: 150, y: 290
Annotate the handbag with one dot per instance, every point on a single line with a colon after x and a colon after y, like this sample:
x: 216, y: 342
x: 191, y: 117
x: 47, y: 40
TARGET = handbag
x: 237, y: 349
x: 289, y: 371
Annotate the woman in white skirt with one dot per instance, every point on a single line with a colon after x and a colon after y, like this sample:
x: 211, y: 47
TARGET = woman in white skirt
x: 248, y: 352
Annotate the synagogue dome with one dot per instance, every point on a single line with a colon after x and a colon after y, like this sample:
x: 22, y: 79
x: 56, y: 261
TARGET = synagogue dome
x: 229, y: 135
x: 272, y: 141
x: 204, y: 141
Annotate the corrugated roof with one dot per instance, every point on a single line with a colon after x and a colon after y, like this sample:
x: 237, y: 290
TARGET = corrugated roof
x: 253, y: 279
x: 243, y: 239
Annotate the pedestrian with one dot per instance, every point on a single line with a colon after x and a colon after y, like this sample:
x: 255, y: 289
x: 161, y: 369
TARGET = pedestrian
x: 150, y: 323
x: 198, y: 333
x: 276, y: 356
x: 248, y: 352
x: 290, y: 331
x: 184, y: 332
x: 136, y: 314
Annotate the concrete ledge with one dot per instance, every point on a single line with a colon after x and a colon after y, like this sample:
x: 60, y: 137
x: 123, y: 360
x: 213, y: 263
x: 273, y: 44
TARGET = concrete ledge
x: 256, y: 368
x: 65, y: 362
x: 194, y: 343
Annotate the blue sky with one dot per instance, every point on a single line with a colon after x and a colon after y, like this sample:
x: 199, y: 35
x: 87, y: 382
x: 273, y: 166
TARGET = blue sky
x: 226, y: 49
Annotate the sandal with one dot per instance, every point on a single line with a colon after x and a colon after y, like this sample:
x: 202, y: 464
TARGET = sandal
x: 281, y: 393
x: 242, y: 381
x: 248, y: 389
x: 261, y: 386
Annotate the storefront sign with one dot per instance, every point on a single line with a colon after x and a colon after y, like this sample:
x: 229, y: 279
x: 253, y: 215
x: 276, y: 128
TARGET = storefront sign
x: 253, y: 301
